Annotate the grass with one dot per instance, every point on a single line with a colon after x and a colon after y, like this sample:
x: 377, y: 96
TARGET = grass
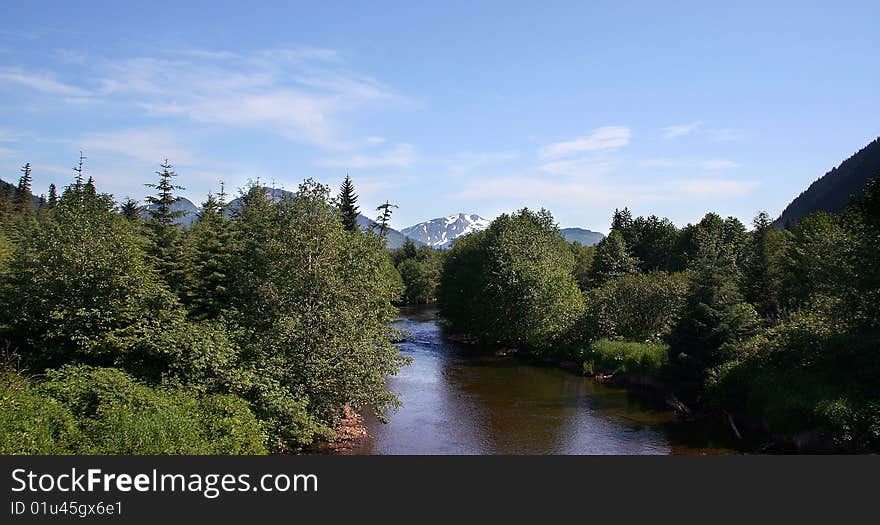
x: 625, y: 357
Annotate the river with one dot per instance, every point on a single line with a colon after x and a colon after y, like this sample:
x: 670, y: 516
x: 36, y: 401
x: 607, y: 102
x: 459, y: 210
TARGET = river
x: 458, y: 399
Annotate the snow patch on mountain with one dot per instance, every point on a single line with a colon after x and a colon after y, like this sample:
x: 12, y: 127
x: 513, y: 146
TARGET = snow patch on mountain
x: 442, y: 232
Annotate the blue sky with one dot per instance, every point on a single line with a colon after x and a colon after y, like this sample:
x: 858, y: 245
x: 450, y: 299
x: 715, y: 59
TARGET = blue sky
x: 481, y: 107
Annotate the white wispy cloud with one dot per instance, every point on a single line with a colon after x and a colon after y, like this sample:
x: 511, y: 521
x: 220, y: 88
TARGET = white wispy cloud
x: 468, y: 163
x: 581, y: 168
x: 150, y: 146
x: 679, y: 130
x: 400, y: 156
x: 703, y: 164
x: 699, y: 129
x: 547, y: 192
x: 42, y: 82
x: 706, y: 188
x: 604, y: 138
x: 302, y: 94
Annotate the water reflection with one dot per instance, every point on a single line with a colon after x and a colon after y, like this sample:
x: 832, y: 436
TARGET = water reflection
x: 458, y: 400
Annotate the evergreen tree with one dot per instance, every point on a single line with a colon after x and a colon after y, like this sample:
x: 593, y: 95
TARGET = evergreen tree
x: 53, y: 196
x: 385, y: 216
x: 165, y: 235
x: 130, y: 210
x: 79, y: 290
x: 22, y: 200
x: 763, y: 271
x: 348, y: 204
x: 612, y: 259
x: 622, y: 220
x: 162, y: 203
x: 208, y: 260
x: 7, y: 209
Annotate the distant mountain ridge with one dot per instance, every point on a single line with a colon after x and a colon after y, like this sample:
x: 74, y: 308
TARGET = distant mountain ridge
x: 10, y: 188
x: 585, y: 237
x: 394, y: 238
x: 442, y: 232
x: 191, y: 211
x: 834, y: 190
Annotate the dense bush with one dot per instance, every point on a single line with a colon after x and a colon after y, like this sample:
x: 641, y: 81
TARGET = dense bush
x: 637, y: 307
x: 806, y: 374
x: 512, y: 283
x: 31, y: 423
x: 87, y: 410
x: 79, y: 288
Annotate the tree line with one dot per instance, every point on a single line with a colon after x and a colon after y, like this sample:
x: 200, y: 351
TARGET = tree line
x: 246, y: 332
x: 779, y: 329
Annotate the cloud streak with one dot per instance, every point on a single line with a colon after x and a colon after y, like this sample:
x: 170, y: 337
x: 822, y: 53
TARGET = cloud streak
x: 41, y: 82
x: 401, y: 156
x: 605, y: 138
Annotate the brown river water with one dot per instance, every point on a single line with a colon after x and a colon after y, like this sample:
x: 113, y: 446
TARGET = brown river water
x: 458, y: 399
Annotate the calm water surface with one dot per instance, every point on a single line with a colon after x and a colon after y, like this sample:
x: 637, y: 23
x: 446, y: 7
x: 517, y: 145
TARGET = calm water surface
x: 459, y: 400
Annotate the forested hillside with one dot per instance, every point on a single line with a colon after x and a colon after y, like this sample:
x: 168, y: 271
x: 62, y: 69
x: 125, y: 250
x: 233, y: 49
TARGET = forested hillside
x: 773, y: 332
x: 833, y: 191
x: 127, y: 334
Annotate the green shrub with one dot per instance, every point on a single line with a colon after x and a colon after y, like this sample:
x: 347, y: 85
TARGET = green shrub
x: 118, y: 415
x: 625, y: 357
x: 805, y: 375
x: 31, y: 423
x: 635, y: 306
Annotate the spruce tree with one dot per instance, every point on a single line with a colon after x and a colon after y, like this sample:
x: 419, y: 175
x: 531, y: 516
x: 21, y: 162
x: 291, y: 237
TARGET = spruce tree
x: 22, y: 199
x: 763, y: 271
x: 53, y: 196
x: 130, y: 210
x: 348, y: 204
x: 162, y: 203
x: 208, y: 257
x: 165, y: 235
x: 385, y: 216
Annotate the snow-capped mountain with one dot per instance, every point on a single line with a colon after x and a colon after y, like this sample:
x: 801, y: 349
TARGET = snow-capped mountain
x: 440, y: 233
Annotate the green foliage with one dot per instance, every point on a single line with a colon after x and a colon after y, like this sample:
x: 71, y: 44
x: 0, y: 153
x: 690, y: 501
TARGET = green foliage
x: 165, y: 245
x: 79, y: 289
x: 714, y: 322
x: 512, y: 283
x: 31, y: 423
x: 651, y: 240
x: 118, y: 415
x: 807, y: 374
x: 763, y: 270
x: 419, y: 270
x: 712, y: 242
x: 208, y: 257
x: 637, y: 307
x: 818, y: 259
x: 347, y: 203
x: 384, y: 218
x: 583, y: 262
x: 313, y: 302
x: 625, y: 357
x: 612, y: 259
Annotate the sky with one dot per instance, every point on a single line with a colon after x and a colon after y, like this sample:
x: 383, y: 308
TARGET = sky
x: 672, y: 108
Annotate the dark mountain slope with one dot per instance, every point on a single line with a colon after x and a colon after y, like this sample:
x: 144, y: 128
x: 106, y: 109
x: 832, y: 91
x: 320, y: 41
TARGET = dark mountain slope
x: 833, y: 191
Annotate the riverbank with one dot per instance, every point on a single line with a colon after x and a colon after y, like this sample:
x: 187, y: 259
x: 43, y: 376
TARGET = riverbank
x: 471, y: 399
x: 752, y: 436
